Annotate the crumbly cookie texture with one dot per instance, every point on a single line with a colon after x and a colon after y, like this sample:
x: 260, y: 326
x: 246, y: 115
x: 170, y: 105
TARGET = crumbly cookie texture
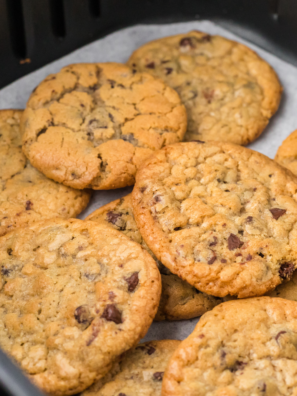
x: 230, y: 93
x: 179, y: 300
x: 26, y: 195
x: 220, y: 216
x: 74, y: 296
x: 242, y: 348
x: 91, y: 125
x: 140, y: 372
x: 287, y: 153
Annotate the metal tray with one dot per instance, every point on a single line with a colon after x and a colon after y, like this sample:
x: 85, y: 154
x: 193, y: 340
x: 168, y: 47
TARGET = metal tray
x: 36, y: 32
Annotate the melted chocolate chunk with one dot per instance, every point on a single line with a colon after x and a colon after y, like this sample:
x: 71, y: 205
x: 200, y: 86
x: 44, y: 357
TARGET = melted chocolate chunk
x: 168, y: 70
x: 279, y: 334
x: 116, y: 219
x: 212, y: 259
x: 95, y: 332
x: 132, y: 281
x: 214, y: 242
x: 187, y: 42
x: 112, y: 314
x: 29, y: 205
x: 249, y: 219
x: 82, y: 315
x: 150, y: 65
x: 277, y: 213
x: 205, y: 39
x: 158, y: 376
x: 237, y: 366
x: 5, y: 271
x: 234, y: 242
x: 286, y: 270
x: 151, y: 350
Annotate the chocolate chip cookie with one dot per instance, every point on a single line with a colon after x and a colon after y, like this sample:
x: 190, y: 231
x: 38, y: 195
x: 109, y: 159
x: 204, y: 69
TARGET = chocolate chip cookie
x: 220, y: 216
x: 230, y: 93
x: 140, y: 371
x: 242, y: 348
x: 287, y: 153
x: 91, y: 125
x: 179, y: 300
x: 75, y: 295
x: 26, y: 195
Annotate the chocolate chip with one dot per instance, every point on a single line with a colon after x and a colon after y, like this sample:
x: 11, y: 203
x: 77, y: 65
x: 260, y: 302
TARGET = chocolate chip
x: 240, y: 232
x: 95, y: 332
x: 208, y: 95
x: 286, y: 270
x: 249, y: 257
x: 262, y: 387
x: 157, y: 198
x: 277, y: 213
x: 122, y: 394
x: 41, y: 132
x: 237, y: 366
x: 9, y: 251
x: 111, y: 296
x: 214, y: 242
x: 279, y: 334
x: 111, y: 117
x: 238, y: 254
x: 223, y: 261
x: 201, y: 336
x: 212, y: 259
x: 5, y: 271
x: 142, y: 189
x: 112, y: 314
x: 249, y: 219
x: 150, y: 65
x: 116, y: 219
x: 158, y: 376
x: 82, y: 315
x: 168, y: 70
x: 187, y: 42
x: 90, y: 136
x: 112, y: 83
x: 223, y: 354
x: 177, y: 228
x: 198, y: 141
x: 234, y: 242
x: 132, y: 281
x: 151, y: 350
x: 205, y: 39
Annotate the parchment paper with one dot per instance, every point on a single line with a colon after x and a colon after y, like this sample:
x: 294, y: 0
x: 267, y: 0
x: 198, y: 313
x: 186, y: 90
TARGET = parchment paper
x: 117, y: 47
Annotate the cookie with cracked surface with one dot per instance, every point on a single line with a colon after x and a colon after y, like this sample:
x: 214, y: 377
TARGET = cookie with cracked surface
x: 244, y: 347
x: 230, y: 93
x: 140, y: 371
x: 179, y: 300
x: 26, y: 195
x: 220, y: 216
x: 287, y: 153
x: 75, y: 295
x: 91, y: 125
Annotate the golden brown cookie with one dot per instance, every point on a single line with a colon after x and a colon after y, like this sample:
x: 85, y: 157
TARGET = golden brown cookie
x: 74, y: 296
x: 140, y: 371
x: 220, y: 216
x: 91, y: 125
x: 179, y: 300
x: 230, y: 93
x: 240, y: 348
x: 26, y: 195
x: 287, y: 153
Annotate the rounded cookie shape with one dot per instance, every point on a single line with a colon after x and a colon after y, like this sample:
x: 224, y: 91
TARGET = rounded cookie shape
x: 140, y: 370
x: 287, y: 153
x: 243, y: 348
x: 230, y: 93
x: 91, y: 125
x: 26, y: 195
x: 179, y: 300
x: 220, y: 216
x: 75, y: 295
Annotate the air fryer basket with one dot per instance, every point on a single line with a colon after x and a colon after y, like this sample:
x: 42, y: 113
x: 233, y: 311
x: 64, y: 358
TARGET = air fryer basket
x: 36, y: 32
